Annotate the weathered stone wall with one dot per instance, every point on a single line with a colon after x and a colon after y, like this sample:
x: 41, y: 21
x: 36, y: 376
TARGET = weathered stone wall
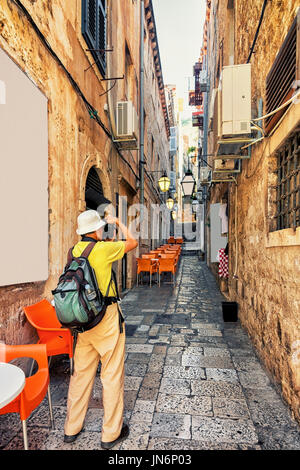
x: 267, y: 282
x: 76, y: 142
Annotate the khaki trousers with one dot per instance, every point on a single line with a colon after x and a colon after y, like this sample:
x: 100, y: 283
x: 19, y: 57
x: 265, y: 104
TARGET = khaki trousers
x: 104, y: 342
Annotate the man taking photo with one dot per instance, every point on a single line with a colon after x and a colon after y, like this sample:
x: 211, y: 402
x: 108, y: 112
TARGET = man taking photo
x: 105, y: 341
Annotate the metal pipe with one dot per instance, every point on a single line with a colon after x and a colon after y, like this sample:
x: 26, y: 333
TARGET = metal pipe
x: 142, y: 162
x: 205, y: 145
x: 109, y: 67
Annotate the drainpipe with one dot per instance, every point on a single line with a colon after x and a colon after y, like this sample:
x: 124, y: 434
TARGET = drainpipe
x: 142, y: 131
x: 109, y: 59
x: 205, y: 134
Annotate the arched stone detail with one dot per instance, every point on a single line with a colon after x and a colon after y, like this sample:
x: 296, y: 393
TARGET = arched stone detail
x: 97, y: 162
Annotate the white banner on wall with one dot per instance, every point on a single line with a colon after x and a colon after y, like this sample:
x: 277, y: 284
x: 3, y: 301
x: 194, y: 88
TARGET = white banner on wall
x: 217, y: 239
x: 23, y: 177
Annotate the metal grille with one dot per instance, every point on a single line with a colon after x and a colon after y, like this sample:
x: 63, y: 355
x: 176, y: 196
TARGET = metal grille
x: 195, y: 98
x: 92, y: 18
x: 288, y: 184
x: 102, y: 31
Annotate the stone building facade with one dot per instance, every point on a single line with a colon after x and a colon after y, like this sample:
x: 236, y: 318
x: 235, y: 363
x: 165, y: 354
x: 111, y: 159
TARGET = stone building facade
x: 264, y: 255
x: 59, y: 47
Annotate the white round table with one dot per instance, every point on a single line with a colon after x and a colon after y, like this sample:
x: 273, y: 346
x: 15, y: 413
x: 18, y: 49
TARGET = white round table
x: 12, y: 382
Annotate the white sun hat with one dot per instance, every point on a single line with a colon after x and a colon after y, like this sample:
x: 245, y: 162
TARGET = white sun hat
x: 89, y: 221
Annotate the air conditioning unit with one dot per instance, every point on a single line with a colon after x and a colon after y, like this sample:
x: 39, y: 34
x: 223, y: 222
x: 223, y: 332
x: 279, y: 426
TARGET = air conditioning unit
x: 205, y: 174
x: 126, y: 121
x: 211, y: 107
x: 235, y: 101
x: 204, y: 86
x: 224, y: 165
x: 173, y: 140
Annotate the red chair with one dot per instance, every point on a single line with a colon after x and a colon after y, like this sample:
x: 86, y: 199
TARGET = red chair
x: 146, y: 265
x: 58, y: 340
x: 36, y: 386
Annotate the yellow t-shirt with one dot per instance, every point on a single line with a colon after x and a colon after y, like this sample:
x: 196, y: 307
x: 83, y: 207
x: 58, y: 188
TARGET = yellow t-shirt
x: 101, y: 258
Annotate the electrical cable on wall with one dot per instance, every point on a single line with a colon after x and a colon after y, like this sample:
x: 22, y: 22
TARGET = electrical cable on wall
x: 279, y: 108
x: 268, y: 115
x: 91, y: 110
x: 259, y: 161
x: 257, y: 30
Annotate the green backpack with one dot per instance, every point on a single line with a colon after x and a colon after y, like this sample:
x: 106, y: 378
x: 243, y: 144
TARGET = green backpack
x: 79, y: 303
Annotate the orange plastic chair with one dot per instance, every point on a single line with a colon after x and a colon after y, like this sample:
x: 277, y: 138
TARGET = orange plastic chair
x: 171, y: 240
x: 146, y: 265
x: 58, y: 340
x: 155, y: 252
x: 173, y: 257
x: 166, y: 265
x: 179, y: 241
x: 36, y: 386
x: 171, y: 250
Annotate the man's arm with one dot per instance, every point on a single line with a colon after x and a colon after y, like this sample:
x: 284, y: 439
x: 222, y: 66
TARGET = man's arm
x: 130, y: 242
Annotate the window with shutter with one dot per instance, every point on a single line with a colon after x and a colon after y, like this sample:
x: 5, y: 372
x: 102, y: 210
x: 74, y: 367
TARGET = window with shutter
x: 94, y: 196
x: 94, y: 30
x: 284, y: 74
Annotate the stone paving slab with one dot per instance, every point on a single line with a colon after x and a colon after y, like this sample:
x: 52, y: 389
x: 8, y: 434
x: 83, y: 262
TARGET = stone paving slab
x: 224, y: 430
x: 192, y: 382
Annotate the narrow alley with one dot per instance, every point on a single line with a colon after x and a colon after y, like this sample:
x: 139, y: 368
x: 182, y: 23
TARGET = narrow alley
x: 192, y: 381
x: 150, y: 152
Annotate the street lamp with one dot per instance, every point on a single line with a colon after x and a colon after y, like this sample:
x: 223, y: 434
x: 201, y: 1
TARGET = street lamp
x: 164, y: 183
x: 170, y: 203
x: 174, y: 215
x: 195, y: 204
x: 188, y: 184
x: 201, y: 197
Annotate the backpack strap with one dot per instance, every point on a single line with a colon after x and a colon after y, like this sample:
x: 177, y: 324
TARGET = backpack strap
x: 85, y: 253
x: 70, y: 256
x: 88, y: 249
x: 115, y: 283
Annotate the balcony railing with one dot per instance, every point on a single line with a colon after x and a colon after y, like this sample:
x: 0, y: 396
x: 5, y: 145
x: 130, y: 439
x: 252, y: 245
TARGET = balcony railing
x: 197, y: 119
x: 197, y: 68
x: 195, y: 98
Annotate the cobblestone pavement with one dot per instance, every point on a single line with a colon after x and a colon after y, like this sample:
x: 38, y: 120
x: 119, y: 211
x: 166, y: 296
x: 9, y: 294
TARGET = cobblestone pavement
x: 192, y: 381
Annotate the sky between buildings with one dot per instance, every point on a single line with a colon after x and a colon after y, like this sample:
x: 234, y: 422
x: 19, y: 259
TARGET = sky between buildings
x: 179, y: 25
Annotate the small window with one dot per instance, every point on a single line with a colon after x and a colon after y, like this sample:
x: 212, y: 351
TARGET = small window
x: 94, y: 30
x: 287, y: 198
x: 128, y: 74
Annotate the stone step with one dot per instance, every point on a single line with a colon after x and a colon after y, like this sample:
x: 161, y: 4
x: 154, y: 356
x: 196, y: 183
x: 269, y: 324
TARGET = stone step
x: 191, y: 246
